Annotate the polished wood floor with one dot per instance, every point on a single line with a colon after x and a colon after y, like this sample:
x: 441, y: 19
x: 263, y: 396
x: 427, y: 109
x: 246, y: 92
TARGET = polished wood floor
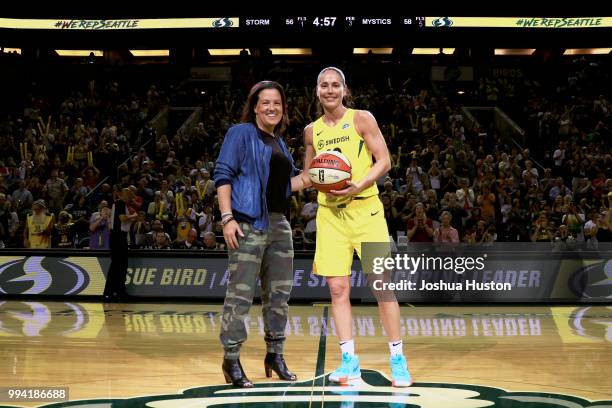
x: 136, y: 350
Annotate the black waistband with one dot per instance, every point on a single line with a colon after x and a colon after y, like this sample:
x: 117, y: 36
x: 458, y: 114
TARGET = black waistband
x: 343, y: 205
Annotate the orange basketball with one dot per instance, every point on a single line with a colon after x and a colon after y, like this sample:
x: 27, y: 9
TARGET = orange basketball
x: 330, y: 170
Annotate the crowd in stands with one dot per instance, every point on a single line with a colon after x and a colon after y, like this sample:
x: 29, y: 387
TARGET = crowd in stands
x: 450, y: 182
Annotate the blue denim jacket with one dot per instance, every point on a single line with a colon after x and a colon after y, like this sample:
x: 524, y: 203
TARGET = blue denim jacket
x: 244, y: 162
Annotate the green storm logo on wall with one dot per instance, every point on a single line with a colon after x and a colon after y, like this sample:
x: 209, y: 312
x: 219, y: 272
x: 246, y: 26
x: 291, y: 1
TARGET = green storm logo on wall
x: 374, y: 391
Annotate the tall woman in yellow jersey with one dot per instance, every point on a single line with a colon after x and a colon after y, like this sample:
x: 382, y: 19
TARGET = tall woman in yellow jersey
x: 352, y: 216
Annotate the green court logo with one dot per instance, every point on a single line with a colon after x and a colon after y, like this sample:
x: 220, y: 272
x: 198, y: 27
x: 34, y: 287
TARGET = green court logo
x: 374, y: 390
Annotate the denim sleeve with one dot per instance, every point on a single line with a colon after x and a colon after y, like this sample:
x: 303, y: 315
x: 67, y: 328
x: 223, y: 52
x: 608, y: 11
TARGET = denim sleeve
x: 230, y: 158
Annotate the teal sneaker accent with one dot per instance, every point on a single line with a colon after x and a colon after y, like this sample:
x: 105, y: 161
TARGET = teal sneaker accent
x: 399, y: 371
x: 348, y: 371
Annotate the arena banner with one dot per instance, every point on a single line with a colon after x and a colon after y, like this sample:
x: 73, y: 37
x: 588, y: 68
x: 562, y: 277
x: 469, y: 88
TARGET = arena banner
x: 497, y: 273
x: 501, y: 276
x: 51, y: 274
x: 118, y: 24
x: 519, y: 22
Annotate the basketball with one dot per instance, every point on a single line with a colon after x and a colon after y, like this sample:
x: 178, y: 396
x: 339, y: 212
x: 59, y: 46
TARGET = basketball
x: 330, y: 170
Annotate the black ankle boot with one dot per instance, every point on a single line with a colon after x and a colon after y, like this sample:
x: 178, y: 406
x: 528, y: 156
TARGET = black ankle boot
x: 275, y: 362
x: 233, y: 372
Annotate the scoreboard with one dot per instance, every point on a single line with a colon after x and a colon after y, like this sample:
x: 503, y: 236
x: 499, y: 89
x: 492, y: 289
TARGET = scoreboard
x: 372, y: 30
x: 332, y: 23
x: 310, y: 23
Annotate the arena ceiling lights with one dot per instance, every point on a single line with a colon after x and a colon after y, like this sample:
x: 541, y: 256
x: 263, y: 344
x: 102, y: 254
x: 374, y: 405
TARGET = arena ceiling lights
x: 514, y: 51
x: 150, y: 53
x: 587, y: 51
x: 374, y: 50
x: 78, y: 53
x: 17, y: 50
x: 98, y: 53
x: 432, y: 51
x: 226, y: 51
x: 291, y: 51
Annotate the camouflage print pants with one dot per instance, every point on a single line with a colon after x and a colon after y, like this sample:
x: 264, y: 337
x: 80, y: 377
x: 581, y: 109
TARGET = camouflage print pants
x: 269, y: 255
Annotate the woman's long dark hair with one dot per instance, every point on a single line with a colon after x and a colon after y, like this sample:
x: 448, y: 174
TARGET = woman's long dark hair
x: 248, y: 111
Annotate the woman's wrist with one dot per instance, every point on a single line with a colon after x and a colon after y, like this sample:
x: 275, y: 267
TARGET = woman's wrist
x: 226, y: 217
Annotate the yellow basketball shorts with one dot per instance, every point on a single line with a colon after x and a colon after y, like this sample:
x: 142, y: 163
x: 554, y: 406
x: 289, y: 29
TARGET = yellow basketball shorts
x: 340, y: 231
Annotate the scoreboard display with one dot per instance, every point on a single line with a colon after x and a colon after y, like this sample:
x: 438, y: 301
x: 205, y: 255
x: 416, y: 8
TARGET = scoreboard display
x: 304, y: 23
x: 332, y: 23
x: 231, y: 31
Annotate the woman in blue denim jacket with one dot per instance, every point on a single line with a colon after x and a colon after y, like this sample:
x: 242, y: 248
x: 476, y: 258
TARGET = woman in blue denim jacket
x: 255, y: 176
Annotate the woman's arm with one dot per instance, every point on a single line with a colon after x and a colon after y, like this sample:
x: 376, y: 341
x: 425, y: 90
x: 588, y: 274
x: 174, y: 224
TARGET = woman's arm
x: 231, y: 228
x: 367, y: 127
x: 302, y: 181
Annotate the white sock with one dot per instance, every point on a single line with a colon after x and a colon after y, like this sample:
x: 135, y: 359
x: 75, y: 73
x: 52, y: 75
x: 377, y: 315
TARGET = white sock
x: 348, y: 346
x: 395, y: 347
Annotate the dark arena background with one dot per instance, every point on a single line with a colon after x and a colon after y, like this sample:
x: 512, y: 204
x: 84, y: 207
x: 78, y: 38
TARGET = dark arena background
x: 503, y: 123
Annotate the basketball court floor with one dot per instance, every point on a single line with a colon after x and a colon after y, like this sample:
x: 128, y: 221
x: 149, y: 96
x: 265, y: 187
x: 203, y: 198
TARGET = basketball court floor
x: 168, y: 355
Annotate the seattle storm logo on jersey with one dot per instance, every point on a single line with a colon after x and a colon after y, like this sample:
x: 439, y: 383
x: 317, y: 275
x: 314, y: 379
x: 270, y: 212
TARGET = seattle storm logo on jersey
x: 374, y: 390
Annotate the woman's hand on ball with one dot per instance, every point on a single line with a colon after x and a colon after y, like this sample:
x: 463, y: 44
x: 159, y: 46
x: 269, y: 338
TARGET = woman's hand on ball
x: 350, y: 189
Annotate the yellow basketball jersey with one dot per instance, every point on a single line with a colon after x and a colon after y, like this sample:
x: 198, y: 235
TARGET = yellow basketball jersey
x: 37, y: 240
x: 343, y: 137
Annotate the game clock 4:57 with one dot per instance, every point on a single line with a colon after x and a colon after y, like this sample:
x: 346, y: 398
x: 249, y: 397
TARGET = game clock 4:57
x: 324, y: 21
